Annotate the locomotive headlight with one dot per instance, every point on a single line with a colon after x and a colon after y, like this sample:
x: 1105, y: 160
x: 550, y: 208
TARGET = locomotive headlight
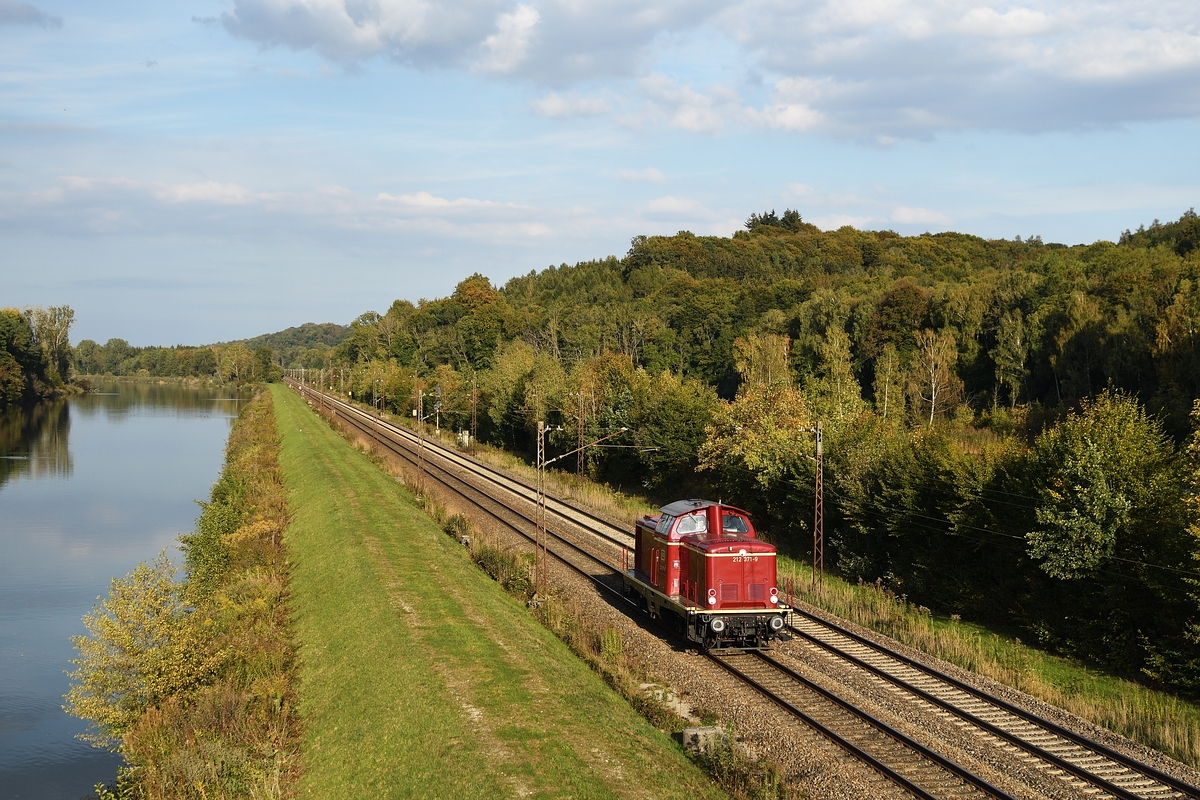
x: 717, y: 625
x: 712, y: 601
x: 774, y: 598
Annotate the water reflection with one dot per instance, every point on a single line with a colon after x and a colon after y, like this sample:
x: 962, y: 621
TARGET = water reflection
x: 118, y: 400
x: 89, y: 487
x: 34, y: 441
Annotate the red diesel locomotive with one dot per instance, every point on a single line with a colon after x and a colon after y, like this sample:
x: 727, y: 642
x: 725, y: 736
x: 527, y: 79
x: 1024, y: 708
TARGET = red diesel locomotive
x: 701, y: 563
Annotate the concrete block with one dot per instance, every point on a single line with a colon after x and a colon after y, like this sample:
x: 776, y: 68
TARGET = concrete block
x: 702, y: 739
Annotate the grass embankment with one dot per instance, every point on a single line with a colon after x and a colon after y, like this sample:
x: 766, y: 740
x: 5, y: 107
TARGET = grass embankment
x: 1156, y: 719
x: 421, y: 677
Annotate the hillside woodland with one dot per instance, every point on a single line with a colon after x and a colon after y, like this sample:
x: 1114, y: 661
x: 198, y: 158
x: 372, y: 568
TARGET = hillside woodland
x: 1009, y: 425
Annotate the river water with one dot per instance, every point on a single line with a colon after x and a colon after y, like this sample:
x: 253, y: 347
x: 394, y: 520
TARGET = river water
x: 89, y: 487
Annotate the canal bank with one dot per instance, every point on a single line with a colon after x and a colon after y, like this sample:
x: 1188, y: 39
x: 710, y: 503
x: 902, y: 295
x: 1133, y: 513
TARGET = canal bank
x: 419, y: 676
x: 90, y: 486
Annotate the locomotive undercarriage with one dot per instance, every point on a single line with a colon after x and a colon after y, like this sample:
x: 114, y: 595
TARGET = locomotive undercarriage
x: 734, y: 631
x: 714, y: 630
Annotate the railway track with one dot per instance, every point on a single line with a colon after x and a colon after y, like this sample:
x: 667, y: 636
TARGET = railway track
x: 919, y: 769
x: 1083, y: 762
x: 590, y: 545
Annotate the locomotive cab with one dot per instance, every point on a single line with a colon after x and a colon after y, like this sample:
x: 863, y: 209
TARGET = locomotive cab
x: 703, y: 563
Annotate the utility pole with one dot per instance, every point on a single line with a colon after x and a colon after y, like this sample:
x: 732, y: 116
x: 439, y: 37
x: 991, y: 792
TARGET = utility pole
x: 418, y: 412
x: 818, y: 556
x: 437, y: 409
x: 540, y: 564
x: 579, y: 455
x: 541, y: 572
x: 474, y: 407
x: 819, y: 513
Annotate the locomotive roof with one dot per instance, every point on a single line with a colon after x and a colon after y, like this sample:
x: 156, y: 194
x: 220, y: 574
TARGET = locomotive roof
x: 728, y: 544
x: 681, y: 507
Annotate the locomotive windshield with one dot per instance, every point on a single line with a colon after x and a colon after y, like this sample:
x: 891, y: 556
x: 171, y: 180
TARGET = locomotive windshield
x: 695, y: 523
x: 733, y: 523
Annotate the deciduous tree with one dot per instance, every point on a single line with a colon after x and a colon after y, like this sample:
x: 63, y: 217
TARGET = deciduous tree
x: 140, y: 647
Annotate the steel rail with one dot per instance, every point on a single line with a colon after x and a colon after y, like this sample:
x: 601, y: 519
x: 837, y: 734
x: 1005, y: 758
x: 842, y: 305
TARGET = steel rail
x: 989, y: 698
x: 993, y: 729
x: 879, y: 725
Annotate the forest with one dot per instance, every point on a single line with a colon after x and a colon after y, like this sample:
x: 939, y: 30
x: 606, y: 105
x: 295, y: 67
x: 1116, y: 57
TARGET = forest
x: 1009, y: 425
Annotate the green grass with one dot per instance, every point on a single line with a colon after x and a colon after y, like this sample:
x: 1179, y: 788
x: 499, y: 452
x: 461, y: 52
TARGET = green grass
x: 1156, y: 719
x: 419, y: 676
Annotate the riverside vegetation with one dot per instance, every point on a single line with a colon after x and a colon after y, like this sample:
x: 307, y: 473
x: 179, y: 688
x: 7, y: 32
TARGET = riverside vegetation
x: 193, y: 681
x: 35, y: 354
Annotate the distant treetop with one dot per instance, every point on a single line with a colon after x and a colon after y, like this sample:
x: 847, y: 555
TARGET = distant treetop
x: 310, y: 334
x: 790, y: 220
x: 1182, y: 236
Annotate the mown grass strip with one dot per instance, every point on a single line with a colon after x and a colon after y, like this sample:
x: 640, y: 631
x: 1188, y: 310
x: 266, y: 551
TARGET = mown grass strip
x: 420, y: 677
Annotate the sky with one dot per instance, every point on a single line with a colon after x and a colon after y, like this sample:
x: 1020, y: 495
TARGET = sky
x: 206, y: 170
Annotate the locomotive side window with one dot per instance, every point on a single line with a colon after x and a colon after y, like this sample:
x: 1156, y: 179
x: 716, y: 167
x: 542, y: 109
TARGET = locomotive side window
x: 696, y: 523
x: 664, y: 523
x: 734, y: 523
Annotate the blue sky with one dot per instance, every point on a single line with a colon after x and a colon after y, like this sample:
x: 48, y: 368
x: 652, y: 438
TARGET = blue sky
x: 203, y: 170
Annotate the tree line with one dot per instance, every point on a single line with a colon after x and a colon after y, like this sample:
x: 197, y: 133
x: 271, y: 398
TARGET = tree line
x: 230, y: 363
x: 35, y: 353
x: 1009, y: 424
x: 261, y: 358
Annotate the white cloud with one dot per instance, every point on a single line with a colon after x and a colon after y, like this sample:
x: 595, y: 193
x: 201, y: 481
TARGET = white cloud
x: 831, y: 222
x: 683, y: 107
x: 506, y: 48
x: 409, y: 31
x: 569, y: 105
x: 428, y: 202
x: 676, y: 208
x: 878, y: 70
x: 906, y: 215
x: 647, y: 175
x: 208, y: 192
x: 575, y: 39
x: 81, y: 205
x: 911, y: 67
